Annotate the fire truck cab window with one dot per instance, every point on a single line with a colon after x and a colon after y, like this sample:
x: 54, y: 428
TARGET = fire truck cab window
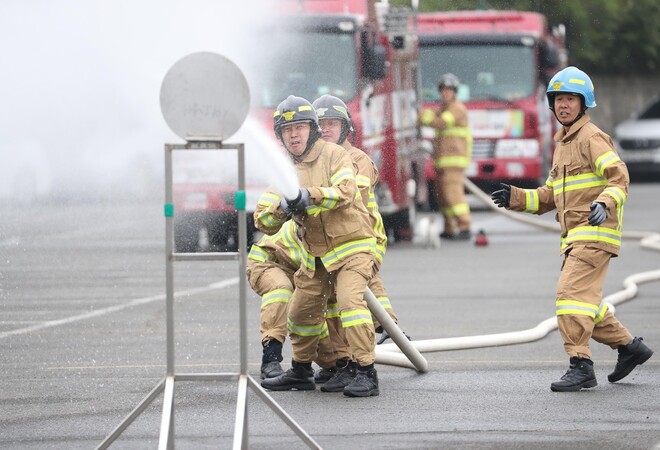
x: 498, y: 72
x: 309, y: 66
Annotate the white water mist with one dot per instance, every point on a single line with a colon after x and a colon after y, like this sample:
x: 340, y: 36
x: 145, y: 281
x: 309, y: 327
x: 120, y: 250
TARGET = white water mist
x: 273, y: 163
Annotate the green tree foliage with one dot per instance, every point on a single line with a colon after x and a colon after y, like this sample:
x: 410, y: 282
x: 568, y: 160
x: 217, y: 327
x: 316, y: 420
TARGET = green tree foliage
x: 602, y: 36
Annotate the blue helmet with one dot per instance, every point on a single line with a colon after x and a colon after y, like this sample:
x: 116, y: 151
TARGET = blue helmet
x: 571, y: 80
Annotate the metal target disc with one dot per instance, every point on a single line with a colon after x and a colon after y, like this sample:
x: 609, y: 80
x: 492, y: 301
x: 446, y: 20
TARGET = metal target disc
x: 204, y: 96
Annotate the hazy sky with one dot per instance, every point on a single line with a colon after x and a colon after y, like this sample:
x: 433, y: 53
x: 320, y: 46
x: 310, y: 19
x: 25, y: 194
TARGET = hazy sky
x: 80, y: 80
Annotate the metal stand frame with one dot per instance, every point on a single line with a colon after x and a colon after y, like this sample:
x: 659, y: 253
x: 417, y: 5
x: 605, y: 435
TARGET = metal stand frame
x: 166, y: 385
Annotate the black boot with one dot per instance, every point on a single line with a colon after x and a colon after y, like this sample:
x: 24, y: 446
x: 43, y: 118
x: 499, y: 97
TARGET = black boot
x: 270, y: 361
x: 365, y: 383
x: 630, y: 356
x: 463, y: 235
x: 323, y: 375
x: 300, y: 376
x: 344, y: 375
x: 579, y: 376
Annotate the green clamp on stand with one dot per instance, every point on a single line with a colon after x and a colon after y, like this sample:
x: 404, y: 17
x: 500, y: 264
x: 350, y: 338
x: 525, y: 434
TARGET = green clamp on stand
x: 240, y: 201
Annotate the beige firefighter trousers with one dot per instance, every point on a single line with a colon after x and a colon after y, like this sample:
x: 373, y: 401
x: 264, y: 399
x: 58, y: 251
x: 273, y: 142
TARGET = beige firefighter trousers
x: 308, y: 304
x: 450, y: 194
x: 266, y: 278
x: 337, y: 347
x: 581, y: 279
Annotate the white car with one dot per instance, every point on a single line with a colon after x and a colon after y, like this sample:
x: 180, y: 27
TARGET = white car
x: 638, y: 141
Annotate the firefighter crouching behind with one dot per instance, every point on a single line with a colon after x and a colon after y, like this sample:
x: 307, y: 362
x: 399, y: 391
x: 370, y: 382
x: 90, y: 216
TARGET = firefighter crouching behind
x: 588, y: 185
x: 270, y: 267
x: 336, y: 125
x: 452, y: 152
x: 335, y: 230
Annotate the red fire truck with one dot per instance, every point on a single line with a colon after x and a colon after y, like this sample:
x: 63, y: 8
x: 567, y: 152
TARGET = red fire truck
x: 504, y: 60
x: 365, y: 53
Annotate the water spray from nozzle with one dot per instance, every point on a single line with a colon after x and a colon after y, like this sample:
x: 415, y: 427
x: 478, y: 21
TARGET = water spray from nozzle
x: 279, y: 170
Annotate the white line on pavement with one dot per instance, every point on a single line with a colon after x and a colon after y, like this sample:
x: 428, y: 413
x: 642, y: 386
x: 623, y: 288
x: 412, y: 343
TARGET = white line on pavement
x: 111, y: 309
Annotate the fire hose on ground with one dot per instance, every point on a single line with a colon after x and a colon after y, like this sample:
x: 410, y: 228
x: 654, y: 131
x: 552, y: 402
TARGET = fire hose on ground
x: 407, y: 353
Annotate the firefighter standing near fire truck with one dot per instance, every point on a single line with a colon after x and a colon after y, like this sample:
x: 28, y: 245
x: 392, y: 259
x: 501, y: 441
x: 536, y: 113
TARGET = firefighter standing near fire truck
x: 336, y: 125
x: 588, y: 185
x: 452, y: 151
x: 335, y: 230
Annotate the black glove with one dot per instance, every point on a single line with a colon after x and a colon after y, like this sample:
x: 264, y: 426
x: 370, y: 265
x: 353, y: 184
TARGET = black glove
x: 296, y: 205
x: 385, y: 335
x: 598, y: 214
x: 502, y: 198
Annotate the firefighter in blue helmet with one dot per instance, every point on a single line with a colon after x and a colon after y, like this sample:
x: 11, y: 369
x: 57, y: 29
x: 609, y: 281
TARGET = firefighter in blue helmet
x: 588, y: 186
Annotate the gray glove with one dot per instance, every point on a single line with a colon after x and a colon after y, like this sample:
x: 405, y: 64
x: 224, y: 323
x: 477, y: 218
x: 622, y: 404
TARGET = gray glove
x: 598, y: 214
x: 296, y: 205
x: 502, y: 198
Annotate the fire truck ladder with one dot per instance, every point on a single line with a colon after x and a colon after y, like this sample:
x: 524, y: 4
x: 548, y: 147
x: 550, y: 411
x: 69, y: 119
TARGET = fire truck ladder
x: 166, y: 385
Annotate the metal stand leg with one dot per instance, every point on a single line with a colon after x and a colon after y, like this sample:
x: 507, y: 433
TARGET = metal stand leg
x: 167, y: 384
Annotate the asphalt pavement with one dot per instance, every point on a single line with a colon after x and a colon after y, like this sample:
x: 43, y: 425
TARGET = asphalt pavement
x: 82, y: 342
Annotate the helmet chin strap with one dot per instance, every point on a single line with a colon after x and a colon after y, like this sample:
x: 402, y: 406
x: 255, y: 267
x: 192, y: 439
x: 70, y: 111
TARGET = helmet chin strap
x: 568, y: 125
x: 345, y: 132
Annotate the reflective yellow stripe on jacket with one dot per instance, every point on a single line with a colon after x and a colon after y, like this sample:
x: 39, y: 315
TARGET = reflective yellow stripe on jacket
x: 258, y: 254
x: 379, y: 227
x: 427, y: 116
x: 604, y: 161
x: 296, y: 251
x: 330, y: 194
x: 531, y: 200
x: 575, y: 182
x: 266, y: 200
x: 348, y: 249
x: 385, y: 302
x: 589, y: 233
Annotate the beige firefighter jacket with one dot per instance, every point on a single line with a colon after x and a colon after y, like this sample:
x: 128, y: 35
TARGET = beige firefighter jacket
x: 585, y: 169
x: 336, y: 223
x: 366, y: 178
x: 282, y: 249
x: 452, y: 144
